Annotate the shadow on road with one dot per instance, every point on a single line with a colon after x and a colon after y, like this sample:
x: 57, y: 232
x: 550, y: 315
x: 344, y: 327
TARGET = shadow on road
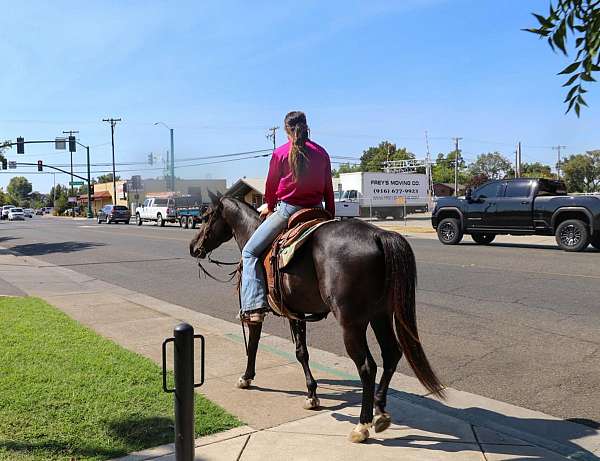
x: 37, y: 249
x: 5, y: 239
x: 532, y: 246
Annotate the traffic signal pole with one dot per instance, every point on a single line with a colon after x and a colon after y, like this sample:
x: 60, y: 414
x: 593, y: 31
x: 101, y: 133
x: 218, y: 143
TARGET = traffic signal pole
x: 89, y: 210
x: 21, y: 147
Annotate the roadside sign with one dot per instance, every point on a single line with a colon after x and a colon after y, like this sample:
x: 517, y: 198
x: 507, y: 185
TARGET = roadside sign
x: 72, y: 200
x: 75, y: 183
x: 60, y: 144
x: 12, y: 164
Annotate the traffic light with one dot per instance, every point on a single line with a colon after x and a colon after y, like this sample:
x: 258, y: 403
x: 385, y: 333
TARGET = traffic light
x: 91, y: 189
x: 20, y: 145
x: 150, y: 159
x: 72, y: 144
x: 4, y: 163
x: 124, y: 188
x: 40, y: 166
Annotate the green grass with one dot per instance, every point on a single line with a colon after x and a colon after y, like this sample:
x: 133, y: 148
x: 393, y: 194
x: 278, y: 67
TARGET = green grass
x: 67, y: 393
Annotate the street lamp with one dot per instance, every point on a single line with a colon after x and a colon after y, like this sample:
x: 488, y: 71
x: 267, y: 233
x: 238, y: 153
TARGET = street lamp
x: 172, y: 166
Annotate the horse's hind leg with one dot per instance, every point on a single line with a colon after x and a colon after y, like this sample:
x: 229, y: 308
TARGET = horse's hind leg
x: 299, y: 332
x: 355, y: 340
x: 391, y: 353
x: 254, y: 330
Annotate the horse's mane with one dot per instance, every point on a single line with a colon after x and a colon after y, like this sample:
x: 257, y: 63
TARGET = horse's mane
x: 242, y: 204
x: 248, y: 213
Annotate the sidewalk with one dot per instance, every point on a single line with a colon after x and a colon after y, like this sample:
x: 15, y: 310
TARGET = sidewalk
x: 464, y: 427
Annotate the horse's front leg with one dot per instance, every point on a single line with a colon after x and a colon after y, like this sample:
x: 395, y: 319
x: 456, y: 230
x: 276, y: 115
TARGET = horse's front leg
x: 254, y: 330
x: 299, y: 331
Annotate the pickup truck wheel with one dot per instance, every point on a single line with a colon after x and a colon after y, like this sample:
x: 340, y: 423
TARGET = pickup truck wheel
x: 192, y: 222
x: 160, y: 221
x: 185, y: 222
x: 138, y: 219
x: 449, y: 231
x: 595, y: 241
x: 181, y: 222
x: 99, y: 220
x: 483, y: 239
x: 572, y: 235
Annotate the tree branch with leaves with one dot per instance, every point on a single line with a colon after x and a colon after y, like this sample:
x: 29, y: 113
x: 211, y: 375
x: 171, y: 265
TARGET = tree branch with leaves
x: 581, y: 19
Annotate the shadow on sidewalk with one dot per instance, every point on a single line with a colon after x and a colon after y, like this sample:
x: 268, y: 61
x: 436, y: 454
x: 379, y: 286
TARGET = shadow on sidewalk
x: 563, y: 432
x: 37, y: 249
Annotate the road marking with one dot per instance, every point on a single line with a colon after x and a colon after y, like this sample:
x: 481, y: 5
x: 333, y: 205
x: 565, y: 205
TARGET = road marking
x: 129, y: 234
x: 475, y: 266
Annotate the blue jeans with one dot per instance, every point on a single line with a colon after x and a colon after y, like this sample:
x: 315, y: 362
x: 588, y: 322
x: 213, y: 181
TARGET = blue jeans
x: 254, y: 289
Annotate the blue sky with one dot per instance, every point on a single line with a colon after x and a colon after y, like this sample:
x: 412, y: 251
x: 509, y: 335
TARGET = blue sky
x: 221, y: 73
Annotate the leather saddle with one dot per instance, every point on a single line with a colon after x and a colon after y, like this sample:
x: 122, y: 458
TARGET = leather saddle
x: 300, y: 227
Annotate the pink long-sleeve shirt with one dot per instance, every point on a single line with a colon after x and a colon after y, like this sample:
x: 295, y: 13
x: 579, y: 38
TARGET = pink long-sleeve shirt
x: 309, y: 190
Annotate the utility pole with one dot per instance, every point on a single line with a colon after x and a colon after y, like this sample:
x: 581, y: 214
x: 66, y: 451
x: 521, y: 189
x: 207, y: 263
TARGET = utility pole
x: 456, y: 158
x: 113, y: 122
x: 272, y: 135
x: 172, y: 162
x: 71, y: 133
x: 558, y: 167
x: 518, y: 163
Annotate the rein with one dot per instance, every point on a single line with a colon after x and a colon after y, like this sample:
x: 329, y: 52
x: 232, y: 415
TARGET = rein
x: 219, y: 264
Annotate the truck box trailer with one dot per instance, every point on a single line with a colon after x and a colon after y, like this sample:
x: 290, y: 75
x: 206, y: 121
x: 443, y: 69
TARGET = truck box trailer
x: 382, y: 195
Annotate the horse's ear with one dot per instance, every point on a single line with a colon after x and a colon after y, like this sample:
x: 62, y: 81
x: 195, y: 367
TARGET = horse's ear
x: 219, y: 195
x: 213, y: 198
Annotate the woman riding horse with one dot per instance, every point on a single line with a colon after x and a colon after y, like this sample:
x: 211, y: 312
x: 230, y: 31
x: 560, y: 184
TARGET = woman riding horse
x: 299, y: 177
x: 365, y: 276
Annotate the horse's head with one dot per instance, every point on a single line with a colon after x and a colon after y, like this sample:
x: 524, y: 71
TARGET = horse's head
x: 214, y: 230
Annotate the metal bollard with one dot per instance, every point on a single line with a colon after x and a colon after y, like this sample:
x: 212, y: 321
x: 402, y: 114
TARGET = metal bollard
x: 183, y: 339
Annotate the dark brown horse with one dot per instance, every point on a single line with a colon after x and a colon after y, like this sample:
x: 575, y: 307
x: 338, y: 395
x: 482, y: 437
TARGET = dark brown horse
x: 363, y: 275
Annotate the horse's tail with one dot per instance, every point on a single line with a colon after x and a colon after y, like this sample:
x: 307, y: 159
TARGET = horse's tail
x: 401, y: 282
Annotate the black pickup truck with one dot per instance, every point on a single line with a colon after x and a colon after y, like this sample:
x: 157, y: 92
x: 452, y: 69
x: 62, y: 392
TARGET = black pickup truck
x: 520, y: 207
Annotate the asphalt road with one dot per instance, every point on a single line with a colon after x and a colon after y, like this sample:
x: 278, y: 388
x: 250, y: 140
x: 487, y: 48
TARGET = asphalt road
x: 517, y: 323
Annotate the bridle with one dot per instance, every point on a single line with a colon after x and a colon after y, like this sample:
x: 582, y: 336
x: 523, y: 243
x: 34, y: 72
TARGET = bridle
x: 205, y: 236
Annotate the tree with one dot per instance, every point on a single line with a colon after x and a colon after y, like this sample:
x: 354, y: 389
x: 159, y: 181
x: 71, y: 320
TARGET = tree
x: 582, y: 172
x: 107, y: 178
x: 3, y: 197
x: 374, y: 158
x: 536, y: 170
x: 580, y: 18
x: 443, y: 170
x: 493, y: 165
x: 345, y: 168
x: 18, y: 189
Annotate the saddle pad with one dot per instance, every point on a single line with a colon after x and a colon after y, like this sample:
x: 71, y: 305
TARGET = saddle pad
x: 287, y: 251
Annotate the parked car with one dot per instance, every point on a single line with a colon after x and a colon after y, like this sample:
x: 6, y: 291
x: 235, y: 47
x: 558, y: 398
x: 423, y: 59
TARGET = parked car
x: 16, y: 214
x: 114, y: 213
x: 5, y: 210
x: 39, y: 212
x: 520, y: 207
x: 28, y: 212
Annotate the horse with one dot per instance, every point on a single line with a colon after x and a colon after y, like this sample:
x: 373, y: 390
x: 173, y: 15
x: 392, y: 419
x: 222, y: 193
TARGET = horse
x: 361, y: 274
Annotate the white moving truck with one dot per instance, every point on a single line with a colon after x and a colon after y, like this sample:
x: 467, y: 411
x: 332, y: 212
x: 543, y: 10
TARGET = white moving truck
x: 382, y: 195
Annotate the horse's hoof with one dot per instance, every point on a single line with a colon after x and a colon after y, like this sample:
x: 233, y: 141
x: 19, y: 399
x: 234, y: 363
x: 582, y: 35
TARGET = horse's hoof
x: 381, y: 422
x: 311, y: 403
x: 360, y: 433
x: 243, y: 383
